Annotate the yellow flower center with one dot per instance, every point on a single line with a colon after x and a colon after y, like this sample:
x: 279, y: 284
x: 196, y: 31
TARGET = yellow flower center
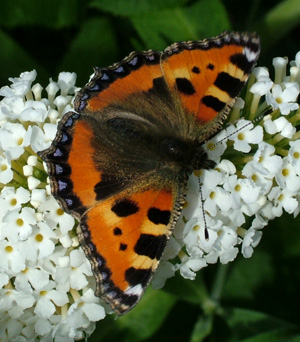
x: 8, y: 249
x: 296, y: 155
x: 59, y: 212
x: 13, y: 201
x: 237, y: 188
x: 241, y: 136
x: 3, y: 167
x: 281, y: 197
x: 285, y: 172
x: 39, y: 237
x: 254, y: 177
x: 20, y: 222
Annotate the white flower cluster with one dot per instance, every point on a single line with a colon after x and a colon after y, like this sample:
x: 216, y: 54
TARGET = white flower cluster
x: 46, y: 283
x: 257, y: 177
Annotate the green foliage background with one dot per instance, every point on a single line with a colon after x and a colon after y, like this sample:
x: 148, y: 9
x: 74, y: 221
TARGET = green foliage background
x: 255, y: 299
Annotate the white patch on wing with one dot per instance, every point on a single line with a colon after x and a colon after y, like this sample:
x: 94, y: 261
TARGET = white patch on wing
x: 136, y: 290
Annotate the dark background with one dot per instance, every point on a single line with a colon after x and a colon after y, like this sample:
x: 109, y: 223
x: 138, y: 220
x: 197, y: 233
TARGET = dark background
x: 256, y: 299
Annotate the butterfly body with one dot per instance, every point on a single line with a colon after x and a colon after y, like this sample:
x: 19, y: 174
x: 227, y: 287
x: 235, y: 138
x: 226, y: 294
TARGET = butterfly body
x: 121, y: 163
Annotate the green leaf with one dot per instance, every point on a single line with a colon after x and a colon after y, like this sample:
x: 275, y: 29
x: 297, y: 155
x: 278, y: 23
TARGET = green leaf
x: 192, y: 291
x: 148, y: 315
x: 276, y: 24
x: 160, y: 28
x: 94, y: 45
x: 140, y: 323
x: 247, y: 275
x: 134, y: 7
x: 253, y: 326
x: 22, y: 61
x: 202, y: 328
x: 54, y: 13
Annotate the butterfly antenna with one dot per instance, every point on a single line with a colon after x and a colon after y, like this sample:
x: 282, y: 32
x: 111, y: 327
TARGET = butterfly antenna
x: 206, y: 235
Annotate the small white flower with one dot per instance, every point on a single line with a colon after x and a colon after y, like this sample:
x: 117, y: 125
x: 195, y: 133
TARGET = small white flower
x: 31, y: 278
x: 42, y: 138
x: 74, y: 273
x: 14, y: 138
x: 294, y: 155
x: 218, y: 198
x: 265, y: 161
x: 189, y: 267
x: 6, y: 173
x: 250, y: 240
x: 54, y: 215
x: 241, y: 190
x: 280, y: 125
x: 41, y: 242
x: 66, y: 82
x: 283, y: 99
x: 46, y: 299
x: 35, y: 111
x: 244, y: 134
x: 280, y: 64
x: 15, y: 197
x: 260, y: 179
x: 15, y: 302
x: 164, y: 271
x: 17, y: 225
x: 263, y: 83
x: 283, y: 199
x: 12, y: 260
x: 20, y: 85
x: 287, y: 177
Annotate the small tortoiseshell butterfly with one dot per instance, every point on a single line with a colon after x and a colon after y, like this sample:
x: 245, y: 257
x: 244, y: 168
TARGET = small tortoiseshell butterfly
x: 120, y: 163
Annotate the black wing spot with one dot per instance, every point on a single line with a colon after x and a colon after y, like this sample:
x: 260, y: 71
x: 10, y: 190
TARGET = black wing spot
x: 228, y: 83
x: 125, y: 207
x: 196, y: 70
x: 213, y: 102
x: 117, y: 231
x: 158, y: 216
x: 151, y: 246
x: 241, y: 61
x: 210, y: 66
x: 136, y: 276
x: 185, y: 86
x: 123, y: 247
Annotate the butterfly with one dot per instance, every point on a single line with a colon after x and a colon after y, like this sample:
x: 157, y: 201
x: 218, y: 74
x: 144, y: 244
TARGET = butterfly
x: 120, y: 162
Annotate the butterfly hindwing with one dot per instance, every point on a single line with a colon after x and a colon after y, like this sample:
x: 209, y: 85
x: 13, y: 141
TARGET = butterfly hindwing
x: 124, y: 238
